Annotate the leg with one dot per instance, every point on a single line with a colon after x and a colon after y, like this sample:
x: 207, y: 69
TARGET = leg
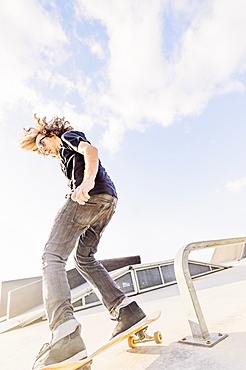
x: 92, y: 270
x: 56, y: 290
x: 66, y: 343
x: 126, y: 312
x: 73, y: 222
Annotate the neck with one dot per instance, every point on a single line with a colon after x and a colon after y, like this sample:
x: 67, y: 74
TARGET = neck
x: 57, y: 141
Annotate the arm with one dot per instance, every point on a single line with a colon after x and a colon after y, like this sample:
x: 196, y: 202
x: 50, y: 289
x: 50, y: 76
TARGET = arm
x: 90, y: 154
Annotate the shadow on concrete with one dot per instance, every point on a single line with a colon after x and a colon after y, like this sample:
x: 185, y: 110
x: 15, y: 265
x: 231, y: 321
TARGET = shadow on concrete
x: 177, y: 356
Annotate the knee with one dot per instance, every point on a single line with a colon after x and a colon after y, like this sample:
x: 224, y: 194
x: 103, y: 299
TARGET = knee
x: 84, y: 260
x: 50, y: 257
x: 47, y: 258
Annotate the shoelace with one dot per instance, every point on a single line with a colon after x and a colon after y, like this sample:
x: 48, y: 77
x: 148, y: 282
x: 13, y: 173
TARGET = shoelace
x: 45, y: 347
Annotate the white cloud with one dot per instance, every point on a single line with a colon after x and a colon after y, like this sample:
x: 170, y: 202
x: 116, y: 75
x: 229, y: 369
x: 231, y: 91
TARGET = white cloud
x: 212, y: 50
x: 95, y: 47
x: 31, y: 42
x: 141, y: 83
x: 236, y: 185
x: 159, y: 60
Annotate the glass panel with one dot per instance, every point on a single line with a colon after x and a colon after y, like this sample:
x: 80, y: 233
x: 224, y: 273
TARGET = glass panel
x: 168, y: 273
x: 125, y: 283
x: 91, y: 298
x: 197, y: 269
x: 149, y: 278
x: 77, y: 303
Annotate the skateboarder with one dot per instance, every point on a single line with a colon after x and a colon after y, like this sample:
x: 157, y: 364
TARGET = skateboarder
x: 77, y: 227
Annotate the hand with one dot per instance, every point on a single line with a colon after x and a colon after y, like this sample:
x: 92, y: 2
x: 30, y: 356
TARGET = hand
x: 81, y: 193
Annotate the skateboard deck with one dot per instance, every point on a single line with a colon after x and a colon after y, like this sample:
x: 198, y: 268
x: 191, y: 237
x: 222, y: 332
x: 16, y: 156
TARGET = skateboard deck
x: 135, y: 334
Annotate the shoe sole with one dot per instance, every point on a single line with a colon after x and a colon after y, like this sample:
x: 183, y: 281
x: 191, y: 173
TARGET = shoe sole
x: 78, y: 357
x: 86, y: 367
x: 136, y: 325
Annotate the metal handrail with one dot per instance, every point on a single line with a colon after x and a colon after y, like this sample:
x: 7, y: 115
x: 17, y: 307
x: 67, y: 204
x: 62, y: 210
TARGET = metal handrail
x: 200, y: 333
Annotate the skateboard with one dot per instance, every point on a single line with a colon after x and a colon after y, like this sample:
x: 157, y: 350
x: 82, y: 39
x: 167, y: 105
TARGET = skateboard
x: 135, y: 334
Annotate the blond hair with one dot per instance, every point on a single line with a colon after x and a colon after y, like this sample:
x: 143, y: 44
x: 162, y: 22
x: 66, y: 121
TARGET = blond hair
x: 56, y: 126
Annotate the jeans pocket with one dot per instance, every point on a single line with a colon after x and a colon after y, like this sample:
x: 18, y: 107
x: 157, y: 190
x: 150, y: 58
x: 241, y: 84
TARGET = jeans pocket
x: 94, y: 210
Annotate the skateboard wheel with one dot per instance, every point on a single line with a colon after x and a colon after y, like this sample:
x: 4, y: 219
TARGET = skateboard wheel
x: 158, y: 337
x: 131, y: 342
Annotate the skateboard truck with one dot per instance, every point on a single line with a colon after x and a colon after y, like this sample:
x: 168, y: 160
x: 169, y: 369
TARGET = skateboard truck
x: 142, y: 336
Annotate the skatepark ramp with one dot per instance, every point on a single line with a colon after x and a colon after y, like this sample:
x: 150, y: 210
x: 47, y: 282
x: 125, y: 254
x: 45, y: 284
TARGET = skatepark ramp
x: 136, y: 279
x: 223, y: 302
x: 133, y: 279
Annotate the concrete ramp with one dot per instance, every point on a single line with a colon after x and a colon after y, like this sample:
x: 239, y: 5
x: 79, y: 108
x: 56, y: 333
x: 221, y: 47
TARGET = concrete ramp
x: 25, y: 302
x: 223, y: 301
x: 37, y: 312
x: 229, y: 253
x: 22, y: 320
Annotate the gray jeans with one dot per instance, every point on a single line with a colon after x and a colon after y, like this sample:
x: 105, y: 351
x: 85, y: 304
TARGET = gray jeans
x: 79, y: 228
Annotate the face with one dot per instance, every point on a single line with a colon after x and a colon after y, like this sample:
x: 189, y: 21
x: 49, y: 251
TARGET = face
x: 48, y: 145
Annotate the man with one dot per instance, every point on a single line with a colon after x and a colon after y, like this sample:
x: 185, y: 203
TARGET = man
x: 78, y: 226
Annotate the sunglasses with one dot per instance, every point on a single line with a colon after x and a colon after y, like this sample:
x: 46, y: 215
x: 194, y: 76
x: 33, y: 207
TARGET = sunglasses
x: 41, y: 145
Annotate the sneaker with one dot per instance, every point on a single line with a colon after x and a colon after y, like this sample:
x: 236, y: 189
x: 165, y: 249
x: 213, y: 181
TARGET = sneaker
x: 128, y: 316
x: 68, y: 349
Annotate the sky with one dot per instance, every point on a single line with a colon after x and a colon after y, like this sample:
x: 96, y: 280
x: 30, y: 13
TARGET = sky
x: 159, y: 87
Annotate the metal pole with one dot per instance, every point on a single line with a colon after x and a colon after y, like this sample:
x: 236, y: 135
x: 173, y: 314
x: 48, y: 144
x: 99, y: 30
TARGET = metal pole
x: 200, y: 333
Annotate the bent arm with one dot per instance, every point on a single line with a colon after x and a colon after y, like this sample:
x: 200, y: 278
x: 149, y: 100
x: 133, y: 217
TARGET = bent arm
x: 90, y: 154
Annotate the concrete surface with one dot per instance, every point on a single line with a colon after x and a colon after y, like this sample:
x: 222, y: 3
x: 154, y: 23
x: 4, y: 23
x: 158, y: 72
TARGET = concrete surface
x: 7, y: 286
x: 19, y: 296
x: 223, y: 300
x: 233, y: 252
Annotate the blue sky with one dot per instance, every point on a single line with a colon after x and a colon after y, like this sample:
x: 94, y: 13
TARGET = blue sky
x: 159, y: 87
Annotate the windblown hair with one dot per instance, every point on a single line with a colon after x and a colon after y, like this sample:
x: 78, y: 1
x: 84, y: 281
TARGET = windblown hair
x: 56, y: 126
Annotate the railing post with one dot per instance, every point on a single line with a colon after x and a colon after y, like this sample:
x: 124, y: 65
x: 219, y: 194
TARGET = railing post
x: 200, y: 333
